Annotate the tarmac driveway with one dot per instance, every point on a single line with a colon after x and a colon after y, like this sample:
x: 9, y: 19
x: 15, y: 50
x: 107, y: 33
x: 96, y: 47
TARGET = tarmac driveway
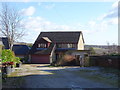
x: 43, y: 76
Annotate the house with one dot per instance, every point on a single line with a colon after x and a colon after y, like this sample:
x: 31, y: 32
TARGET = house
x: 4, y: 42
x: 50, y: 46
x: 20, y: 50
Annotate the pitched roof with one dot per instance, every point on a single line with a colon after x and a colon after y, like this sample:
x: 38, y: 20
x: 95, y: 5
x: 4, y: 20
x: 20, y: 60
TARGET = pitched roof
x: 61, y: 37
x: 20, y: 49
x: 4, y: 41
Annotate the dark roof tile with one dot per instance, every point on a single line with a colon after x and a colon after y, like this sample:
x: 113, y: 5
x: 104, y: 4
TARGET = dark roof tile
x: 20, y: 49
x: 61, y: 37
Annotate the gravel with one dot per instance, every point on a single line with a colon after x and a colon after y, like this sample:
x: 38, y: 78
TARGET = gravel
x: 40, y: 76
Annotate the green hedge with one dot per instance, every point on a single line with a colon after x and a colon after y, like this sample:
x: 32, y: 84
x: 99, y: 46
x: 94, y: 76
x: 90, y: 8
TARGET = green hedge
x: 9, y: 56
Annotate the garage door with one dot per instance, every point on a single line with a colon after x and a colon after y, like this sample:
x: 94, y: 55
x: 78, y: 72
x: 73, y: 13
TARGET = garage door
x: 42, y: 59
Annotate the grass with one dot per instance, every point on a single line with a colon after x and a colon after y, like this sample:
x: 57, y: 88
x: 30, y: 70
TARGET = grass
x: 96, y: 48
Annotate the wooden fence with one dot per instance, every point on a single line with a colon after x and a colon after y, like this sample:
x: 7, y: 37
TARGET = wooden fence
x: 105, y: 61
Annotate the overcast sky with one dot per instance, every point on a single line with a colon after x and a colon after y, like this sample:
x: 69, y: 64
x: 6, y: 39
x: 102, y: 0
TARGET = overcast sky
x: 97, y: 20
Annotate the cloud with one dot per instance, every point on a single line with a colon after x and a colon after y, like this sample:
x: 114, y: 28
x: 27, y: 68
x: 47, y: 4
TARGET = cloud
x: 115, y: 5
x: 113, y: 12
x: 95, y: 26
x: 112, y: 16
x: 113, y: 21
x: 39, y: 23
x: 35, y: 25
x: 28, y: 11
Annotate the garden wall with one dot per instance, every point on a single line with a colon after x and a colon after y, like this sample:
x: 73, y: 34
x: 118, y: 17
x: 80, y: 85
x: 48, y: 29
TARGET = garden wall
x: 105, y: 61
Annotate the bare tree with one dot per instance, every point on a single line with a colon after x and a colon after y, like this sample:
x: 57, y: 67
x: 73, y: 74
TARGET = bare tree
x: 11, y: 24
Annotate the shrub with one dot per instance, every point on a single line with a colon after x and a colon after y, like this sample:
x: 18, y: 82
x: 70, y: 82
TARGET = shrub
x: 8, y: 56
x: 92, y: 51
x: 17, y: 60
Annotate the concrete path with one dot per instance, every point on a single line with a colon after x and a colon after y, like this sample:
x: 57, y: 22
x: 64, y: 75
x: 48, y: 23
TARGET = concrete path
x: 42, y: 76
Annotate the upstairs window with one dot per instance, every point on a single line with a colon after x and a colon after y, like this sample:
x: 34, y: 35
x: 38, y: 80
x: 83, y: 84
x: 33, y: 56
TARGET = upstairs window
x: 74, y: 45
x: 59, y: 45
x: 71, y: 45
x: 42, y: 45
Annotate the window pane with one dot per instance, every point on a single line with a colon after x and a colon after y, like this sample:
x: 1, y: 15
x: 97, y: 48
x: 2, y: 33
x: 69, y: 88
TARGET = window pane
x: 42, y: 45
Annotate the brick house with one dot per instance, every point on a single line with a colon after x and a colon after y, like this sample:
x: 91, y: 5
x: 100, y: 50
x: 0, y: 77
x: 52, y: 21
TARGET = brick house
x: 49, y: 46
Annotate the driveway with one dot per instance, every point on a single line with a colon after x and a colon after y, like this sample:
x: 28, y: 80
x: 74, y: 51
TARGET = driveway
x: 44, y: 76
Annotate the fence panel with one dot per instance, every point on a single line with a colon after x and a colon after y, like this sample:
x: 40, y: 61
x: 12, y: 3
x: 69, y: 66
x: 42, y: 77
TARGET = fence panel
x: 105, y: 61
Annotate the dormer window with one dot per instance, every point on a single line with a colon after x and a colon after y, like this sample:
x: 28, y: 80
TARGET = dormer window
x: 42, y: 45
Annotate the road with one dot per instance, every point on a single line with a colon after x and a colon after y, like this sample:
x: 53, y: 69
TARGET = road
x: 43, y: 76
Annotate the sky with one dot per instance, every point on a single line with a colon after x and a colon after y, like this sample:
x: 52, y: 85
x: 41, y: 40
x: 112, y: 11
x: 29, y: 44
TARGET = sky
x: 97, y: 20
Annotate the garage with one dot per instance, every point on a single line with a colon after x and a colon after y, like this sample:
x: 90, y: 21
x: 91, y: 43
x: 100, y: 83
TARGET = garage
x: 41, y: 59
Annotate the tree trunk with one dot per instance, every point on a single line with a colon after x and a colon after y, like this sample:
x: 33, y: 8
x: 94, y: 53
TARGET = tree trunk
x: 11, y: 46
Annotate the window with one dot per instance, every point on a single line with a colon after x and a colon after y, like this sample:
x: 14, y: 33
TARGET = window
x: 42, y: 45
x: 69, y: 45
x: 74, y: 46
x: 59, y: 45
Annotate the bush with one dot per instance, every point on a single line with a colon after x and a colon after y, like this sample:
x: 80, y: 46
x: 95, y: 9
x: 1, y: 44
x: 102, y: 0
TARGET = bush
x: 17, y: 60
x: 8, y: 56
x: 92, y: 51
